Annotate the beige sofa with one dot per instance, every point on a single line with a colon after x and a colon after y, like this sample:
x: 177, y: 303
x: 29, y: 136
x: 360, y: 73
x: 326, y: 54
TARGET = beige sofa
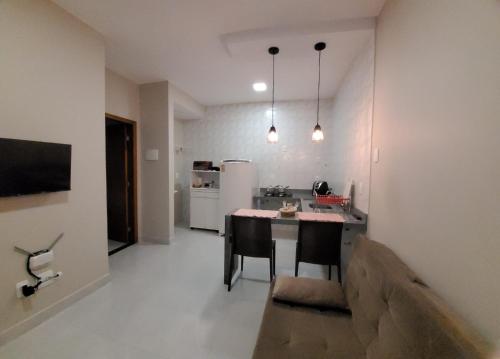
x: 394, y: 315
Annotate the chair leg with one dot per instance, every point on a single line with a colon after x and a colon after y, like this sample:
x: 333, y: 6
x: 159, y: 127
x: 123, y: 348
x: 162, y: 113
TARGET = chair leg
x: 242, y: 263
x: 274, y: 258
x: 271, y: 268
x: 230, y: 272
x: 339, y: 273
x: 297, y: 249
x: 329, y: 272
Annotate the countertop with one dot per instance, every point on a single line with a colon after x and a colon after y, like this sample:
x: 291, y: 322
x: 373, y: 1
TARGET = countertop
x: 306, y: 199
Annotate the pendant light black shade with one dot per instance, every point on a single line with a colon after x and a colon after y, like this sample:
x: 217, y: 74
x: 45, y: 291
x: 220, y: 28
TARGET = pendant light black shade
x: 317, y: 135
x: 272, y: 135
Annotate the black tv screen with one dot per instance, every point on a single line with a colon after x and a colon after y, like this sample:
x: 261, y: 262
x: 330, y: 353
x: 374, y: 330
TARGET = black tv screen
x: 29, y: 167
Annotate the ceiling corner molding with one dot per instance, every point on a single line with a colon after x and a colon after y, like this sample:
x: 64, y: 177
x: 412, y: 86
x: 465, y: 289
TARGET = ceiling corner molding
x: 324, y: 27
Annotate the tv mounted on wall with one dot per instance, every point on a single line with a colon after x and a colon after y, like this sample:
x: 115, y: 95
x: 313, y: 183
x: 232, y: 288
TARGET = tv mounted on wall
x: 29, y: 167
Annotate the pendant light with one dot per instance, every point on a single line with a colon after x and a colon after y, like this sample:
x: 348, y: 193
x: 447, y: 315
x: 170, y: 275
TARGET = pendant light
x: 272, y: 135
x: 317, y: 135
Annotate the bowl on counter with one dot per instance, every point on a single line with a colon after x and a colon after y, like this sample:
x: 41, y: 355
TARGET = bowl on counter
x: 288, y: 211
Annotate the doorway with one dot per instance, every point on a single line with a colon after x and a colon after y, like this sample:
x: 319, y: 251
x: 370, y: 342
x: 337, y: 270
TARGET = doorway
x: 121, y: 182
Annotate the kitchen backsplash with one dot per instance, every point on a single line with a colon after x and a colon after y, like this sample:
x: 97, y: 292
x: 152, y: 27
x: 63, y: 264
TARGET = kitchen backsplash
x: 239, y: 131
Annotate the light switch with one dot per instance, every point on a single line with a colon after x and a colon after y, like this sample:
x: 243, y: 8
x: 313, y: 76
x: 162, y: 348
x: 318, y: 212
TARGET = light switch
x: 152, y: 155
x: 375, y: 155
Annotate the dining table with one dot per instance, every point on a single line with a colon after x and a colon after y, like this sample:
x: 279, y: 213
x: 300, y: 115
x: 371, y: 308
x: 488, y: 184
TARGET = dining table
x: 354, y: 223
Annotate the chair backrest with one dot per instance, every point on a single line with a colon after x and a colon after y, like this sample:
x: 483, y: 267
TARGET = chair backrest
x: 320, y: 242
x: 251, y: 236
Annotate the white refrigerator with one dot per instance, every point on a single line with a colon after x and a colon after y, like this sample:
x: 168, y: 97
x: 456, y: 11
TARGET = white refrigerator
x: 239, y: 182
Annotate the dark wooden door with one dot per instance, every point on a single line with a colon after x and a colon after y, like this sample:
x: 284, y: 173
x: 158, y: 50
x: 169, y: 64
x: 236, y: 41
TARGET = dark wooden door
x: 130, y: 174
x: 117, y: 181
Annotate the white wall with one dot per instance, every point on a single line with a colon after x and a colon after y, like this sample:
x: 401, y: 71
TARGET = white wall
x: 156, y: 190
x: 122, y: 99
x: 122, y: 96
x: 240, y: 131
x: 435, y: 193
x: 52, y: 89
x: 181, y: 174
x: 178, y: 101
x: 350, y: 128
x: 179, y: 151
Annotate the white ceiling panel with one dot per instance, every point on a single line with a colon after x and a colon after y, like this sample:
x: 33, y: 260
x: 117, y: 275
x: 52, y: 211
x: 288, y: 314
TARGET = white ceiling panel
x: 216, y: 49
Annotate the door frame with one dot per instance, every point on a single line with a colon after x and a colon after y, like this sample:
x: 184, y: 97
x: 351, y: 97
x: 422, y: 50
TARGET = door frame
x: 134, y: 162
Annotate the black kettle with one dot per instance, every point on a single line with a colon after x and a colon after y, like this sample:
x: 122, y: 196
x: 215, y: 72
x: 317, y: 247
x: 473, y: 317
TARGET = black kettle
x: 320, y: 188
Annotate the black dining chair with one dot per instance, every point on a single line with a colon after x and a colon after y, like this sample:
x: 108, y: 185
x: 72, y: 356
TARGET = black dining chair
x: 319, y: 243
x: 251, y: 237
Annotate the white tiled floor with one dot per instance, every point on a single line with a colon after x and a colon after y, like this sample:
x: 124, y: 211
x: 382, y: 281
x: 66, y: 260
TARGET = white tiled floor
x: 163, y: 302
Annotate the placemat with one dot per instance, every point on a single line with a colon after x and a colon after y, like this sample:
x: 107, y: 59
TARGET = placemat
x: 320, y: 217
x: 260, y: 213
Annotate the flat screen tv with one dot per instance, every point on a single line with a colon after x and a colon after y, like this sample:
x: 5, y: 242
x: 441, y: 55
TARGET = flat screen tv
x: 29, y: 167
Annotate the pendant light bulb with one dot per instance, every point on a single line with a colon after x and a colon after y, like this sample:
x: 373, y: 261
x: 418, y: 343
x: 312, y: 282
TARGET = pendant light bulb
x: 317, y: 135
x: 272, y: 135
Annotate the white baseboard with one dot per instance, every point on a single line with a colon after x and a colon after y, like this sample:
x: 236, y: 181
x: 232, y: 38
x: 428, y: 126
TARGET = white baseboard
x: 39, y: 317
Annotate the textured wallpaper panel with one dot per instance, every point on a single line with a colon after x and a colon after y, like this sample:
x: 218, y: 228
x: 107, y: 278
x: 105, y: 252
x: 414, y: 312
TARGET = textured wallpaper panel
x: 239, y: 131
x: 351, y: 125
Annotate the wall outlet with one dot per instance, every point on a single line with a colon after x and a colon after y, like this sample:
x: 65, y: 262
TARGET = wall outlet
x: 152, y: 155
x: 19, y: 292
x: 44, y: 276
x: 48, y: 274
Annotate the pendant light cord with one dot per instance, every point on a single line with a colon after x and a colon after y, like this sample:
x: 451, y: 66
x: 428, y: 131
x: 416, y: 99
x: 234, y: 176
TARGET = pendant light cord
x: 272, y: 106
x: 319, y: 82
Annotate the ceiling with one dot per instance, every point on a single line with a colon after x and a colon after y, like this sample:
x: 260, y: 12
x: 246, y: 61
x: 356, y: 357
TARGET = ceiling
x: 216, y: 49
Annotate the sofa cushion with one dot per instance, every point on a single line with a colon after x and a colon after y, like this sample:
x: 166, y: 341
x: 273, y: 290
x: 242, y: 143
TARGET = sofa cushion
x: 395, y: 315
x: 312, y: 292
x: 300, y: 332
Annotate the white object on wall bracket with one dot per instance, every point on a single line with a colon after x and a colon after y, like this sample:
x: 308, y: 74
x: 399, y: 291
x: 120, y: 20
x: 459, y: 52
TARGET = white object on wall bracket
x: 39, y: 260
x: 36, y: 260
x: 152, y: 155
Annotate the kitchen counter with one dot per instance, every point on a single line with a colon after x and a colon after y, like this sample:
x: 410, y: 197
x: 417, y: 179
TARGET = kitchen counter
x: 306, y: 202
x: 353, y: 217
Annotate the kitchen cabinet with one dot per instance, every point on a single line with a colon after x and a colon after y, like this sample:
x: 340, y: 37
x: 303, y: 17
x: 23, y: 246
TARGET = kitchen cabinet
x: 204, y: 205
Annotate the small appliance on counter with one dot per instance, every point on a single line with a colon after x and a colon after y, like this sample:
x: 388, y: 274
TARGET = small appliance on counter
x: 321, y: 188
x: 277, y: 191
x: 325, y: 196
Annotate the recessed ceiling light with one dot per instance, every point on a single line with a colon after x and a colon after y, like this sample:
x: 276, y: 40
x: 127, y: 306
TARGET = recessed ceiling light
x: 259, y: 86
